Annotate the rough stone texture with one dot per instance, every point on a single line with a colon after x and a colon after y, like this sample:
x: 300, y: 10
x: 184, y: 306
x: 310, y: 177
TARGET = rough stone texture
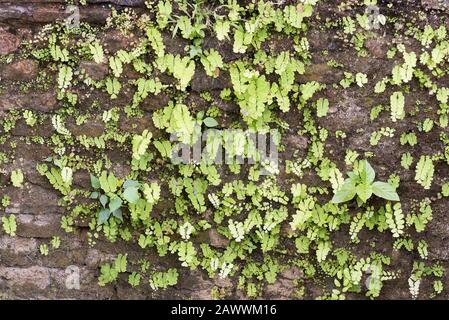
x: 321, y: 73
x: 20, y: 70
x: 201, y: 82
x: 40, y: 101
x: 17, y: 251
x: 8, y: 42
x: 25, y: 273
x: 436, y: 4
x: 38, y: 226
x: 37, y: 278
x: 94, y: 70
x: 217, y: 240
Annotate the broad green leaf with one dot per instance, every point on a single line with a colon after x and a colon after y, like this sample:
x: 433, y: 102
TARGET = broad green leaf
x: 385, y: 190
x: 94, y: 195
x: 131, y: 194
x: 104, y: 200
x: 367, y: 173
x: 210, y: 122
x: 115, y: 203
x: 364, y: 191
x: 94, y: 182
x: 118, y: 214
x: 131, y: 183
x: 103, y: 215
x: 346, y: 192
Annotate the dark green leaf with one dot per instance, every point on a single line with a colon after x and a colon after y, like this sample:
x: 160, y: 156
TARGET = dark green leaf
x: 94, y: 182
x: 103, y: 215
x: 94, y: 195
x: 104, y: 200
x: 118, y: 214
x: 115, y: 203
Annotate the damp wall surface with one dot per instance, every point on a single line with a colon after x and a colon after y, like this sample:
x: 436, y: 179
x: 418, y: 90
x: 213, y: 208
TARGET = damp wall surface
x: 26, y: 274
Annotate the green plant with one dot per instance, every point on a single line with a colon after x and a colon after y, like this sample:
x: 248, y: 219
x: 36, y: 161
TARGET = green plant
x: 115, y: 63
x: 395, y: 219
x: 424, y: 171
x: 176, y: 119
x: 361, y: 184
x: 162, y: 280
x: 113, y: 87
x: 29, y: 117
x: 182, y: 68
x: 56, y: 242
x: 406, y: 160
x: 97, y: 52
x: 322, y: 107
x: 134, y: 279
x: 65, y: 76
x: 397, y: 102
x: 43, y: 249
x: 17, y: 178
x: 109, y: 273
x: 9, y: 224
x: 361, y: 79
x: 212, y: 62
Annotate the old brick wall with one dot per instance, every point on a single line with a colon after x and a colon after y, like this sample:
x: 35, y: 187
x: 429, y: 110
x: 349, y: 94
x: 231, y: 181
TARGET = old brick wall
x: 24, y: 272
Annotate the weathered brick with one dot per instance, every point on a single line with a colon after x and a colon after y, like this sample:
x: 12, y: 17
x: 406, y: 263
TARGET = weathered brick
x: 32, y: 278
x: 88, y: 284
x: 33, y: 199
x: 39, y: 101
x: 38, y: 226
x: 95, y: 257
x: 20, y: 70
x: 17, y: 251
x: 17, y: 245
x: 8, y: 42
